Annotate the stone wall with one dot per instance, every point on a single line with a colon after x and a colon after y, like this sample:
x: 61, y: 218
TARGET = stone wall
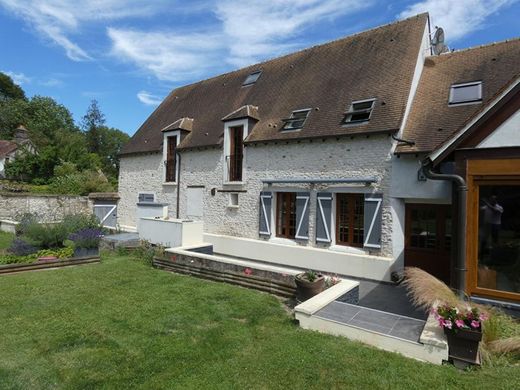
x: 49, y: 208
x: 342, y: 158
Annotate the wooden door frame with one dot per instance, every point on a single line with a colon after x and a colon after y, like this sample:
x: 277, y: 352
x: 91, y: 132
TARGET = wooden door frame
x: 440, y: 227
x: 499, y: 171
x: 288, y: 195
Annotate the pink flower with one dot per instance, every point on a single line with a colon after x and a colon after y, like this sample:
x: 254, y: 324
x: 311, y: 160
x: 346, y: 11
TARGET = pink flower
x: 483, y: 317
x: 248, y: 271
x: 448, y: 324
x: 459, y: 323
x: 475, y: 324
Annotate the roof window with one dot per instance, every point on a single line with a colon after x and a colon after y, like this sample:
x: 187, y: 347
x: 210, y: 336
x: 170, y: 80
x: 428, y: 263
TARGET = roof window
x: 359, y: 111
x: 297, y: 120
x: 466, y: 93
x: 251, y: 79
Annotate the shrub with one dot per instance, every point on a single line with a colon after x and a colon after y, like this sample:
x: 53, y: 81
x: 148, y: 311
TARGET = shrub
x: 86, y: 238
x: 46, y: 236
x: 21, y: 248
x: 77, y: 222
x: 62, y: 253
x: 26, y: 220
x: 80, y: 183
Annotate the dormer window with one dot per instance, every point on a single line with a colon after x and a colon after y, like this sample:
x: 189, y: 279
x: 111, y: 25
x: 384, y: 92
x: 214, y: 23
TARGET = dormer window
x: 297, y: 120
x: 252, y: 78
x: 466, y: 93
x: 359, y: 111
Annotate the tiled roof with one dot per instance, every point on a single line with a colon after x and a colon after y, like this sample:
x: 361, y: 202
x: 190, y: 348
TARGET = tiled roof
x: 432, y: 121
x: 248, y: 111
x: 377, y: 63
x: 180, y: 124
x: 7, y: 147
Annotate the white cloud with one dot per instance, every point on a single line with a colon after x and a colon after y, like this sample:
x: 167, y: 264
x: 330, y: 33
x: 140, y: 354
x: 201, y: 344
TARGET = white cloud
x: 258, y: 29
x: 56, y: 20
x: 168, y: 55
x: 246, y: 33
x: 18, y: 78
x: 148, y: 99
x: 458, y: 18
x: 51, y: 82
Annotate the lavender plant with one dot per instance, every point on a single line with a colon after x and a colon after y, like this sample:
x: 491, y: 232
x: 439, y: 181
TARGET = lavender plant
x: 86, y: 238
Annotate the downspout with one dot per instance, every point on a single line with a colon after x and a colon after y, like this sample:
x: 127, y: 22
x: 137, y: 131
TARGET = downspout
x: 462, y: 196
x: 178, y: 183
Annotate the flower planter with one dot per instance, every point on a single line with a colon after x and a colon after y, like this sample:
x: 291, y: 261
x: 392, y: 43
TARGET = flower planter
x: 464, y: 346
x: 306, y: 289
x: 86, y: 252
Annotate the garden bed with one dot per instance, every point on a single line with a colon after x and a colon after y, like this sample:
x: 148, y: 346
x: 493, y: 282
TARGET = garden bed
x: 39, y: 265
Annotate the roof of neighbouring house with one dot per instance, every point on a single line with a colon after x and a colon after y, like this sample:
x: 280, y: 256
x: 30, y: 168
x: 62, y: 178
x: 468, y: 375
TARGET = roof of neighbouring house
x: 432, y: 121
x: 7, y: 147
x: 377, y: 63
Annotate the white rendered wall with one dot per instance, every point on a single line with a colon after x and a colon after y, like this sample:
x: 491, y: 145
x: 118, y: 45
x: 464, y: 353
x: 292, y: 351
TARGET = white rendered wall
x: 506, y: 135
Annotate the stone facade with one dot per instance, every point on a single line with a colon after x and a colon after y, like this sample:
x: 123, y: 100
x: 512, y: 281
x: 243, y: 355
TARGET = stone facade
x: 48, y: 208
x: 357, y: 157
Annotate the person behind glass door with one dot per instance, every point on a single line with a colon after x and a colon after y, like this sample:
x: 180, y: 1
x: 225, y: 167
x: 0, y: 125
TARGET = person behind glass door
x: 492, y: 221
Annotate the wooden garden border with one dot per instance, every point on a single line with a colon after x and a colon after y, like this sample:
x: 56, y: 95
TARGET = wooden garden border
x: 16, y: 268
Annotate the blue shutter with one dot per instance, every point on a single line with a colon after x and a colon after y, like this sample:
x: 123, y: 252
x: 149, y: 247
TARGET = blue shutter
x: 373, y: 220
x: 323, y: 216
x: 302, y: 216
x: 264, y: 225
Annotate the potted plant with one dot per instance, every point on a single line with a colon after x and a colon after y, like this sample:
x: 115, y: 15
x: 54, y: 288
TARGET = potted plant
x: 86, y: 242
x: 308, y: 284
x: 463, y: 328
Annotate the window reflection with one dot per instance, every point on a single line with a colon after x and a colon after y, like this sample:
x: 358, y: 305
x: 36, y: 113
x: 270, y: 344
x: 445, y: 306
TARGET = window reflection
x: 499, y: 237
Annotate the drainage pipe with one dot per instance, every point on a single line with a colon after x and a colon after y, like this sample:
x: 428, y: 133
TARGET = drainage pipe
x: 462, y: 196
x: 178, y: 167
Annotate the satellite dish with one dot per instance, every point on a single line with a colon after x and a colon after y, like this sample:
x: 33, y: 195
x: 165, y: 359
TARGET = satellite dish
x: 437, y: 42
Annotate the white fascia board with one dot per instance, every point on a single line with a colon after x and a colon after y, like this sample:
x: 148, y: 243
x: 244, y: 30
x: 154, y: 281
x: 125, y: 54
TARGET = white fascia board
x: 435, y: 155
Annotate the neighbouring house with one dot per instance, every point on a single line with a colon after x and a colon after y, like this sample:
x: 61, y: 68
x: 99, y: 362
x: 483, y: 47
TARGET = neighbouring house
x: 9, y: 150
x: 315, y: 159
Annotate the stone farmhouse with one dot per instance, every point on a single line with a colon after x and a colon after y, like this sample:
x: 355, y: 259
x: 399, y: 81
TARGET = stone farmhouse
x: 359, y: 157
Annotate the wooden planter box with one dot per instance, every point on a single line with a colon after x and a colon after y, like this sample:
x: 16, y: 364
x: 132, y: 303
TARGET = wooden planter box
x: 15, y: 268
x: 464, y: 346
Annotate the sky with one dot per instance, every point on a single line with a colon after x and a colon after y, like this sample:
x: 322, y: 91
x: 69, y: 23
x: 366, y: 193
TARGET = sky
x: 129, y: 54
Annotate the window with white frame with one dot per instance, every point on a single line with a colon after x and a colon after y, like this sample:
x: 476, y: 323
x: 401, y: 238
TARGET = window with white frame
x: 296, y: 120
x: 235, y: 132
x: 359, y: 111
x: 466, y: 93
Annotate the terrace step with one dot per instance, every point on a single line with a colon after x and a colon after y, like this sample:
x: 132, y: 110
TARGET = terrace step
x: 229, y: 273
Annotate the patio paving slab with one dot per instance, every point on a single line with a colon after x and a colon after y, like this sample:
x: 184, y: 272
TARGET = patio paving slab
x: 390, y: 324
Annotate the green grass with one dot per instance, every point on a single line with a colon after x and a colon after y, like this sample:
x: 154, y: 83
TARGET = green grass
x: 5, y: 240
x: 122, y: 324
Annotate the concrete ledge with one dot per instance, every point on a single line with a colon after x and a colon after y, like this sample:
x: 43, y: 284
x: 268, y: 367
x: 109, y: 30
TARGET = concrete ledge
x: 8, y: 226
x: 304, y: 257
x: 311, y: 306
x: 434, y: 335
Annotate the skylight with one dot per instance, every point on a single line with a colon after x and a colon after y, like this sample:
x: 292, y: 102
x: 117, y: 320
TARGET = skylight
x: 251, y: 79
x: 466, y: 93
x: 297, y: 120
x: 359, y: 111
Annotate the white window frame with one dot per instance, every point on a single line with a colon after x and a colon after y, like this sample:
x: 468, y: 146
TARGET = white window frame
x: 307, y: 110
x: 166, y: 135
x: 465, y: 102
x: 146, y: 193
x: 351, y: 111
x: 226, y: 150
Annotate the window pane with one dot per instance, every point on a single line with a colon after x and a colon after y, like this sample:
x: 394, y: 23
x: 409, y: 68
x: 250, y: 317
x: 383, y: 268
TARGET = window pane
x: 362, y: 105
x: 424, y: 229
x: 286, y: 214
x: 499, y: 237
x: 350, y: 219
x: 467, y: 93
x: 251, y: 79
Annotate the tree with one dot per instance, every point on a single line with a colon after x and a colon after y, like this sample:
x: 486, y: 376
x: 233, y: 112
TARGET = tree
x: 9, y: 89
x: 111, y: 141
x: 91, y: 123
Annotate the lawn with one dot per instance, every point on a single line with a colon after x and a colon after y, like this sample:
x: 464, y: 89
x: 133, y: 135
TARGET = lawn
x: 122, y: 324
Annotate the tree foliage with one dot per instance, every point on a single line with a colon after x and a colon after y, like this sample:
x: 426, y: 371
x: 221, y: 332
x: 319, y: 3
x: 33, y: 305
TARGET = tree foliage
x: 9, y: 89
x: 92, y: 148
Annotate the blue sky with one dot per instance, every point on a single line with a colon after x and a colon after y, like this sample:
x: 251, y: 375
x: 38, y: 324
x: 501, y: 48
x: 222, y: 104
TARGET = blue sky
x: 128, y: 54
